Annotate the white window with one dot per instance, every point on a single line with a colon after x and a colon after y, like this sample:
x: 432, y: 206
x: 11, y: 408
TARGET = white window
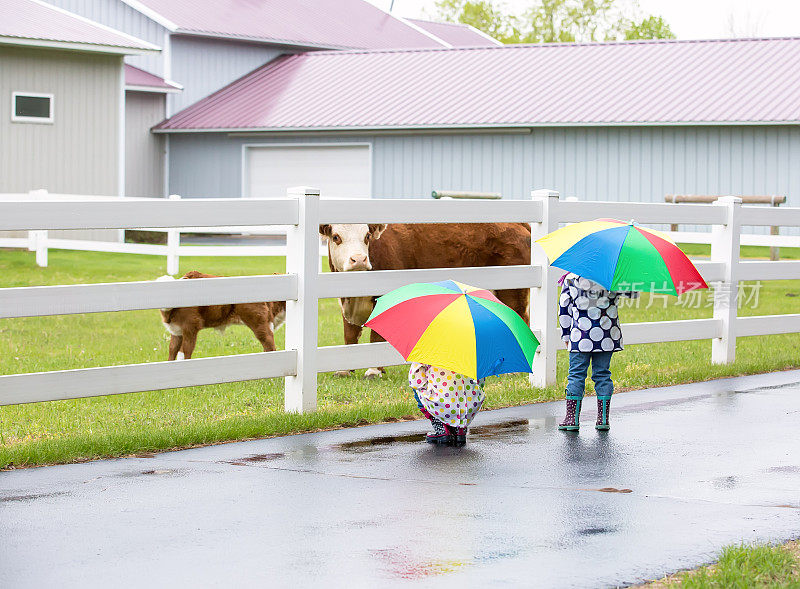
x: 31, y: 107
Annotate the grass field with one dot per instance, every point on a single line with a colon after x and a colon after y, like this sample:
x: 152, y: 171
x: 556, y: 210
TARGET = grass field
x: 64, y: 431
x: 759, y: 566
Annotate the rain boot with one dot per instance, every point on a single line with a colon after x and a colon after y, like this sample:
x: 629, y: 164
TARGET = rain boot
x: 571, y: 421
x: 441, y: 434
x: 603, y: 409
x: 459, y: 437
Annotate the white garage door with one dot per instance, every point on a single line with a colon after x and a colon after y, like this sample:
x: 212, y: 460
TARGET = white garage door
x: 339, y: 171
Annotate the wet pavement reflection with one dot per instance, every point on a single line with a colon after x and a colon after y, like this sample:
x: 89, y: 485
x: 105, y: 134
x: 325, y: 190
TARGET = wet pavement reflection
x: 683, y: 472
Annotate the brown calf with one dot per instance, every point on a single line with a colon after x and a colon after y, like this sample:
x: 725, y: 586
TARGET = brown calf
x: 183, y: 323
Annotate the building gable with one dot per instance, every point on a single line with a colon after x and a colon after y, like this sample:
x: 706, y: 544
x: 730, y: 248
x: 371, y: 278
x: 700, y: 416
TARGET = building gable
x: 311, y: 24
x: 119, y: 16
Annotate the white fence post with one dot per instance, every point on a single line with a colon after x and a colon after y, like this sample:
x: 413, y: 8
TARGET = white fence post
x: 38, y: 239
x: 41, y: 248
x: 725, y: 248
x: 302, y: 258
x: 544, y: 299
x: 173, y: 245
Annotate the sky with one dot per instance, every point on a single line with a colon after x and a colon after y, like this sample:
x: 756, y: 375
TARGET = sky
x: 689, y: 19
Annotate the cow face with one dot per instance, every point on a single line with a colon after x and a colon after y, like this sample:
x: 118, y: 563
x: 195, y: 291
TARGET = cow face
x: 349, y: 244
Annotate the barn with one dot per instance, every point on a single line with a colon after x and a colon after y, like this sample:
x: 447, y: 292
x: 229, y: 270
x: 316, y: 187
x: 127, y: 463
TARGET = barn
x: 62, y: 101
x: 628, y: 121
x: 63, y: 123
x: 207, y: 44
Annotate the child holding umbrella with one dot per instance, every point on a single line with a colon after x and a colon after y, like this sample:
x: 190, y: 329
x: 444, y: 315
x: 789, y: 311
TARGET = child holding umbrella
x: 606, y: 258
x: 588, y: 317
x: 455, y: 335
x: 448, y: 399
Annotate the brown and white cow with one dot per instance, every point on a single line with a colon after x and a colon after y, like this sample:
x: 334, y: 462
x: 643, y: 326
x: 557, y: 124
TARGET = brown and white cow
x: 354, y: 247
x: 183, y: 323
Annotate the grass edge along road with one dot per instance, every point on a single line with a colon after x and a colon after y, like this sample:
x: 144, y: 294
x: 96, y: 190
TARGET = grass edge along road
x: 758, y: 566
x: 137, y: 423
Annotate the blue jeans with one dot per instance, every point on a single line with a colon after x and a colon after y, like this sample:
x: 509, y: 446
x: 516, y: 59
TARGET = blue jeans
x: 601, y: 373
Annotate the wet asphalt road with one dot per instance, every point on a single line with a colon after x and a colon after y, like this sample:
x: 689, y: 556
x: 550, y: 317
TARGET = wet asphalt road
x: 684, y: 471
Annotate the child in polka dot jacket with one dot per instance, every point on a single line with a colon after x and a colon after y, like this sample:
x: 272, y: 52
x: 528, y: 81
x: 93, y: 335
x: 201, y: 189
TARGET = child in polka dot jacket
x: 448, y: 399
x: 588, y: 316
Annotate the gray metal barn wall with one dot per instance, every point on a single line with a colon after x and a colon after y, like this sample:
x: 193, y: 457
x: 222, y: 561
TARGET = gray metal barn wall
x: 611, y: 163
x: 592, y: 163
x: 144, y: 151
x: 77, y: 153
x: 205, y: 65
x: 120, y: 16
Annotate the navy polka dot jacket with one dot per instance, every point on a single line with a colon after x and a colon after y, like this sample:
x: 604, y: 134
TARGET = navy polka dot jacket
x: 589, y: 317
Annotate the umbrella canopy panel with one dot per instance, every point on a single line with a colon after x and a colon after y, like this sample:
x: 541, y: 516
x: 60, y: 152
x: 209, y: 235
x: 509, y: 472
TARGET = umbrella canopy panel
x: 455, y: 326
x: 622, y: 256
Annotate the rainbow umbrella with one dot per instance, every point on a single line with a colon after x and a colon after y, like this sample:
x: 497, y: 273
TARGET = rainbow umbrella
x: 622, y: 256
x: 455, y: 326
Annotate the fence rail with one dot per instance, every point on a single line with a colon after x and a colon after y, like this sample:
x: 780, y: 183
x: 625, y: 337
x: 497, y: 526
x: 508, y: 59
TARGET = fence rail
x: 133, y: 378
x: 32, y: 301
x: 303, y: 285
x: 132, y: 214
x: 41, y: 242
x: 643, y: 212
x: 359, y: 284
x: 746, y: 238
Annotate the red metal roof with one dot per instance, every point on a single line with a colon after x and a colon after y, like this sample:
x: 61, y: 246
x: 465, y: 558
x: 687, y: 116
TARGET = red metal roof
x: 35, y: 23
x: 139, y: 78
x: 455, y: 34
x: 308, y: 23
x: 643, y: 82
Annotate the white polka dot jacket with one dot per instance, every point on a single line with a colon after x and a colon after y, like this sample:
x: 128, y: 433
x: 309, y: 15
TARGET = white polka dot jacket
x: 589, y: 317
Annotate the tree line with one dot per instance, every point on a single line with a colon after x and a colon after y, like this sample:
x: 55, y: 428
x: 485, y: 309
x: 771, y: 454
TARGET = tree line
x: 557, y: 21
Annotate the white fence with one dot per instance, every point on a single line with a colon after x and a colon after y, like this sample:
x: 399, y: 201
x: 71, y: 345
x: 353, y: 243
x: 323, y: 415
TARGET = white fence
x: 173, y: 250
x: 304, y: 285
x: 41, y: 242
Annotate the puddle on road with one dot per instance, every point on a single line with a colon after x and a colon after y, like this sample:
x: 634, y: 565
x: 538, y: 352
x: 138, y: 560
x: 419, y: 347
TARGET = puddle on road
x: 500, y: 430
x: 596, y: 531
x: 374, y: 443
x: 789, y: 469
x: 31, y: 497
x: 482, y: 432
x: 263, y: 457
x: 727, y: 482
x: 139, y: 473
x: 612, y: 490
x: 256, y: 458
x: 401, y: 564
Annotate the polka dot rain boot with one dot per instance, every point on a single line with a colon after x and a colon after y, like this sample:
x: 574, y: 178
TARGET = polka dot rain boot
x: 571, y: 421
x: 459, y: 436
x: 440, y: 435
x: 603, y: 409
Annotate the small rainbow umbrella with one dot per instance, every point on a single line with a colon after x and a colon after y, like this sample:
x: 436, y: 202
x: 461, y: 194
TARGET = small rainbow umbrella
x: 622, y: 256
x: 454, y: 326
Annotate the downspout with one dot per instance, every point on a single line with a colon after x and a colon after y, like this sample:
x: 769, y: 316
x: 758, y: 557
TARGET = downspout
x: 166, y: 53
x: 121, y: 130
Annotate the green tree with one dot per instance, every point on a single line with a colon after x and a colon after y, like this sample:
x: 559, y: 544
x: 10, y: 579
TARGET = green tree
x: 652, y: 27
x: 481, y: 14
x: 557, y: 21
